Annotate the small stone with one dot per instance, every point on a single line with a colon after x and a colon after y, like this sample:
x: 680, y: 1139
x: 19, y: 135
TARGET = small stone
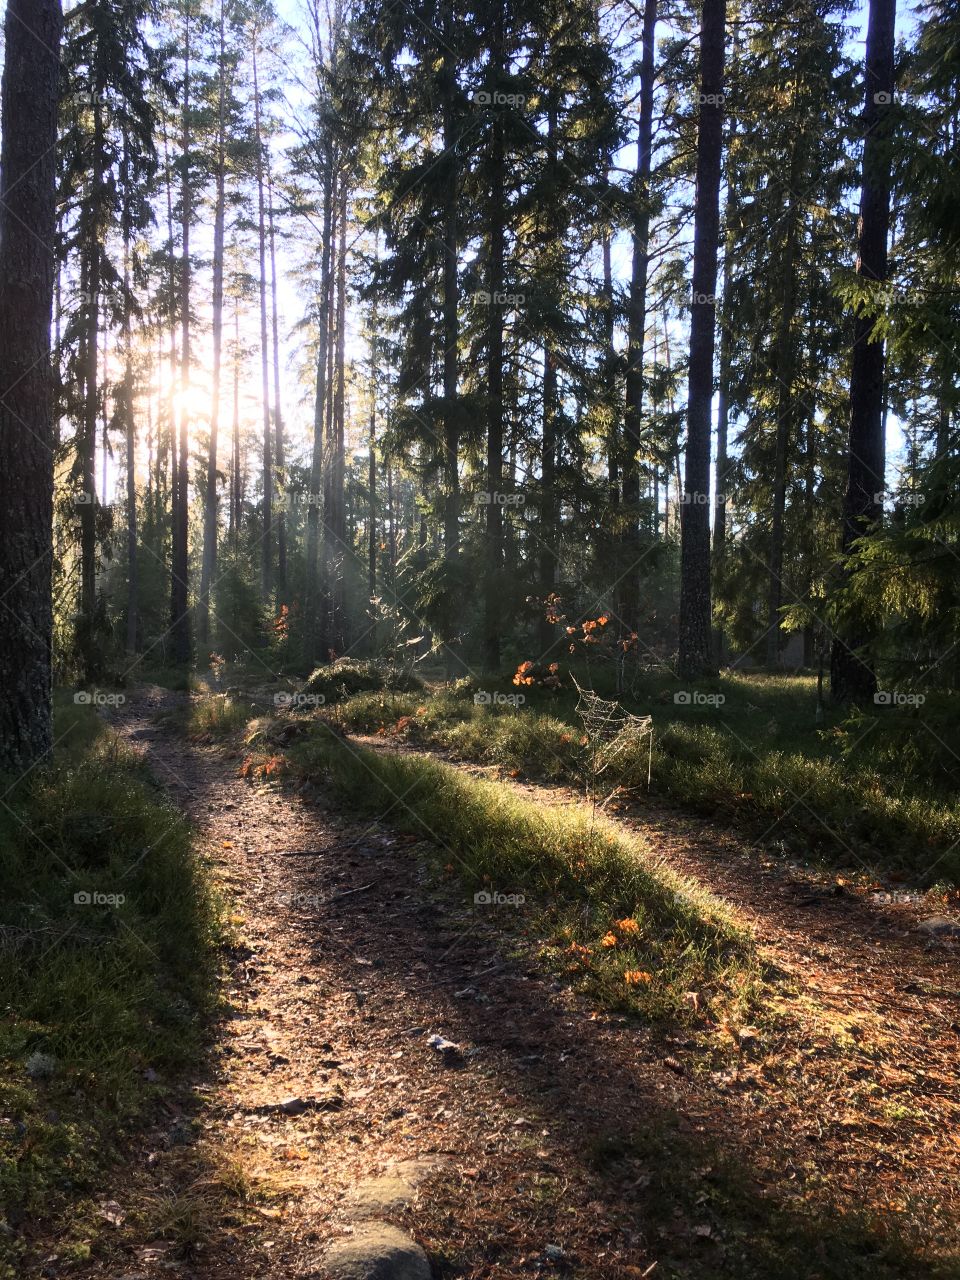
x: 939, y: 927
x: 446, y: 1047
x: 111, y: 1212
x: 41, y: 1066
x: 748, y: 1037
x: 376, y: 1251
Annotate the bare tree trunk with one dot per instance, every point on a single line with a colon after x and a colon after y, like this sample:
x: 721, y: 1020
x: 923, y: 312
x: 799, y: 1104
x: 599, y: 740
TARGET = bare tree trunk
x: 338, y: 513
x: 87, y: 444
x: 451, y: 322
x: 234, y: 529
x: 636, y: 332
x: 372, y: 539
x: 784, y: 366
x: 722, y: 465
x: 609, y: 360
x: 179, y: 612
x: 266, y: 579
x: 548, y: 502
x: 208, y: 567
x: 852, y: 677
x: 32, y: 32
x: 172, y: 355
x: 278, y: 453
x: 497, y: 250
x: 127, y: 418
x: 312, y: 589
x: 695, y: 656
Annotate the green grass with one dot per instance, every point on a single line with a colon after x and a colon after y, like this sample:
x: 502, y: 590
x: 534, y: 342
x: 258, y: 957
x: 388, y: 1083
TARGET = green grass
x: 105, y: 1001
x: 582, y: 881
x: 349, y: 676
x: 218, y: 716
x: 876, y: 790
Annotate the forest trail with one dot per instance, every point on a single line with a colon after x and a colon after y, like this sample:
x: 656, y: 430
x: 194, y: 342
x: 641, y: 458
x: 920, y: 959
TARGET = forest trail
x: 561, y: 1140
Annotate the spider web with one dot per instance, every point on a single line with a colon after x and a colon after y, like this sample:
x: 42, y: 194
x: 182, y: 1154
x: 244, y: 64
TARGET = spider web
x: 611, y: 729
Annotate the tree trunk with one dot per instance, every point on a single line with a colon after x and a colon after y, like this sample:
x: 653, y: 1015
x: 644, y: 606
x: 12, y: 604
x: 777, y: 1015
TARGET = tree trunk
x: 208, y: 567
x: 722, y: 464
x: 636, y: 330
x: 312, y: 591
x: 497, y: 250
x: 784, y: 361
x: 87, y: 444
x: 278, y: 454
x: 130, y: 426
x: 851, y: 674
x: 180, y: 618
x: 266, y: 572
x: 234, y: 529
x: 548, y: 501
x: 339, y: 522
x: 172, y: 353
x: 695, y: 656
x: 32, y: 31
x: 451, y: 322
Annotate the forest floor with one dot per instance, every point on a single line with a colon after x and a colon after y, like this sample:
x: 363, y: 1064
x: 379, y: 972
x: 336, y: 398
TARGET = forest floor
x: 562, y: 1139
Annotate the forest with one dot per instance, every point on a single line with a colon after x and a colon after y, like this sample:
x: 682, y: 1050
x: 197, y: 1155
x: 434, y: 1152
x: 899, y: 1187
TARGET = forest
x: 498, y: 465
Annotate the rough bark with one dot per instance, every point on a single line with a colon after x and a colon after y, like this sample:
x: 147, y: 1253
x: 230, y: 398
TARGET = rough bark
x: 497, y: 249
x: 208, y: 566
x: 548, y: 500
x: 278, y: 445
x: 130, y: 431
x: 852, y: 678
x: 695, y: 648
x: 179, y: 602
x: 312, y: 592
x: 451, y: 321
x: 27, y: 267
x: 784, y: 361
x: 629, y: 607
x: 266, y: 546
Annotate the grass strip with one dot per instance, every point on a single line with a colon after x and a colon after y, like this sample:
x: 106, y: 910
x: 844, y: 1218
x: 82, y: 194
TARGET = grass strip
x: 624, y: 926
x: 108, y: 938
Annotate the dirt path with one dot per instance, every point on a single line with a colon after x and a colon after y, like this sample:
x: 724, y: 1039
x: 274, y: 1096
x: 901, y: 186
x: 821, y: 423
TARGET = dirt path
x: 560, y: 1141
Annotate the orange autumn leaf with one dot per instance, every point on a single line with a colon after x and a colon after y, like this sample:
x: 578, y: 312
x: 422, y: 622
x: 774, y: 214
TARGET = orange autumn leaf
x: 636, y: 977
